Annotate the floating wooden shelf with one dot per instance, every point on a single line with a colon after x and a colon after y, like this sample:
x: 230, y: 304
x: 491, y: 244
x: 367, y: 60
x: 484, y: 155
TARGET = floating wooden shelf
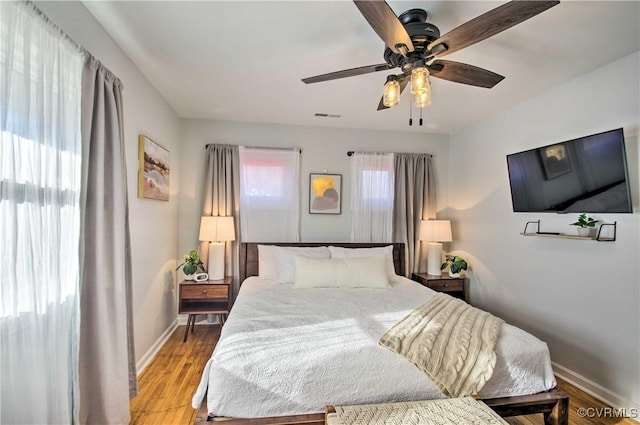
x: 564, y: 236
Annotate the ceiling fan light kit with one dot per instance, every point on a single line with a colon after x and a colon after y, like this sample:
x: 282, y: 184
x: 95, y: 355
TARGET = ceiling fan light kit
x: 423, y: 98
x: 414, y: 46
x: 391, y: 94
x: 419, y: 79
x: 420, y: 87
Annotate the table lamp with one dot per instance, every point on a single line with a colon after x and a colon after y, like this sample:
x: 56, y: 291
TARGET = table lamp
x: 216, y: 230
x: 434, y: 232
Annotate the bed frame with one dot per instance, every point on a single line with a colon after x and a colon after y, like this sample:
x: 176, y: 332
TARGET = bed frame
x: 553, y: 404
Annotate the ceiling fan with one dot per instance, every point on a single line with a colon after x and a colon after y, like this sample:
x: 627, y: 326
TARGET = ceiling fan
x: 415, y: 46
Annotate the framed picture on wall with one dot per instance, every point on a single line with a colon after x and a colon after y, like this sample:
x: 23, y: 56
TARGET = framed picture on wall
x: 325, y: 193
x: 153, y: 170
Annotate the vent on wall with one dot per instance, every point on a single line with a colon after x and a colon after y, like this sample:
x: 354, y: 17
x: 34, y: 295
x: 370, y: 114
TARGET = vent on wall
x: 318, y: 114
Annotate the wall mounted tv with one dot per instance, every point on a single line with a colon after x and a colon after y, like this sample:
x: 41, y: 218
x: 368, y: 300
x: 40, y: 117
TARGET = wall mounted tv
x: 588, y: 175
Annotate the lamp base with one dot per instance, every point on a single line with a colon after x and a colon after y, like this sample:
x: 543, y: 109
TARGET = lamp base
x: 216, y: 260
x: 434, y: 258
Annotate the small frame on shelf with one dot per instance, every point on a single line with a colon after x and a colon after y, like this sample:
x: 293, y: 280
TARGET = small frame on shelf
x: 598, y: 237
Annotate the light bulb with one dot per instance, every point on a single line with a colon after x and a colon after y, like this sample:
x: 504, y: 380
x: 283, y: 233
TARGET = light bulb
x: 419, y: 79
x: 391, y: 95
x: 423, y: 98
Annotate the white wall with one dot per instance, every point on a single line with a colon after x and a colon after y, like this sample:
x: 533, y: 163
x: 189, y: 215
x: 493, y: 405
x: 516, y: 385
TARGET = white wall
x: 581, y: 297
x: 322, y: 149
x: 154, y: 224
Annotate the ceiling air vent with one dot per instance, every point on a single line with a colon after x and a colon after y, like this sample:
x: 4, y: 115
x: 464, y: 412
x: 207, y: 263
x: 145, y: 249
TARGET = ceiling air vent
x: 318, y: 114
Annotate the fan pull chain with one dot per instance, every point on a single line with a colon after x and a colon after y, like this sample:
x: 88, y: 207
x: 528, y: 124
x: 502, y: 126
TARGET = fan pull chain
x: 410, y: 113
x: 421, y: 116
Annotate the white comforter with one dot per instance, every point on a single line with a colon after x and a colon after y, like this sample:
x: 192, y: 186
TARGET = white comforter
x: 286, y: 351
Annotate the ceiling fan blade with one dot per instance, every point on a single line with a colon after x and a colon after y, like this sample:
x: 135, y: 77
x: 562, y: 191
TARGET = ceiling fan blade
x: 488, y: 24
x: 347, y: 73
x: 464, y: 73
x: 403, y: 80
x: 386, y: 24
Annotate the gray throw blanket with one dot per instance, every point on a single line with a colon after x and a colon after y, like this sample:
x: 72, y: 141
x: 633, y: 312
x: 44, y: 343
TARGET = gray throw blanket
x: 453, y: 343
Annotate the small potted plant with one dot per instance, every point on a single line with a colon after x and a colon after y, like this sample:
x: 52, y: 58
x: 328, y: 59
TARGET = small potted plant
x: 191, y: 265
x: 456, y: 265
x: 585, y: 225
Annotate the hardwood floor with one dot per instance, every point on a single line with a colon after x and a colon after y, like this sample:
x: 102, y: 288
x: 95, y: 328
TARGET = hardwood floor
x: 166, y: 386
x: 168, y: 383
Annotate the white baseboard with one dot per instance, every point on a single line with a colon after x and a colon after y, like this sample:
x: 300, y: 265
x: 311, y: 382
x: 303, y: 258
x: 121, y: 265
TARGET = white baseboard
x: 596, y: 390
x: 151, y: 352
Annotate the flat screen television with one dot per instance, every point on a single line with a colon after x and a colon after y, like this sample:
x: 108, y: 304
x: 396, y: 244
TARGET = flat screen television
x: 587, y: 175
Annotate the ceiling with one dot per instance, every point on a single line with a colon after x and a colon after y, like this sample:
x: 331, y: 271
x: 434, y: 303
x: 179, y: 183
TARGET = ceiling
x: 243, y: 61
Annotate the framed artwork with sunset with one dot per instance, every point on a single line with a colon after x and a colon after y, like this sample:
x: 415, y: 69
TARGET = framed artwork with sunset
x: 325, y: 193
x: 153, y: 170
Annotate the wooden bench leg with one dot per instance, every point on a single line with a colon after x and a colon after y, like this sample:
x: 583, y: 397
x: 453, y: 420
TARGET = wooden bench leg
x: 561, y: 410
x: 553, y: 404
x: 193, y: 321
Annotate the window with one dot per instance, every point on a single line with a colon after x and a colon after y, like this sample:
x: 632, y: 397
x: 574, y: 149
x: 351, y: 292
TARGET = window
x: 269, y: 194
x: 372, y: 197
x: 40, y: 179
x: 40, y: 218
x: 264, y: 181
x: 39, y: 168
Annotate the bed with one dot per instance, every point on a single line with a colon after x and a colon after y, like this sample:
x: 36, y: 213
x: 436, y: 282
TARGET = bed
x: 286, y: 353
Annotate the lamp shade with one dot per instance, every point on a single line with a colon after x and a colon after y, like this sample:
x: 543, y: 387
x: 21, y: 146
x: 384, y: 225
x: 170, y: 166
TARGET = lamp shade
x: 435, y: 230
x: 217, y: 229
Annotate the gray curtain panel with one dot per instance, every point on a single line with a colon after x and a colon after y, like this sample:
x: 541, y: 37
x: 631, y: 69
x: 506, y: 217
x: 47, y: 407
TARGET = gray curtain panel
x: 414, y: 200
x: 107, y: 374
x: 222, y: 198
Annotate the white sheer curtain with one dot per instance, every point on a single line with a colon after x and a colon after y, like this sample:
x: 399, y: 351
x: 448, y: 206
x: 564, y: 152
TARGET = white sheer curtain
x: 269, y: 194
x: 40, y: 159
x: 372, y: 197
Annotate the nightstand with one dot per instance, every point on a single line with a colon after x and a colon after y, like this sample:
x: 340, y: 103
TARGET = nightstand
x: 454, y: 286
x: 208, y: 297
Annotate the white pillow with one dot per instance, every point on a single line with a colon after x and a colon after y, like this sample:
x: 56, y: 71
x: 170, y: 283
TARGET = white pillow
x: 266, y: 262
x: 284, y: 267
x: 365, y: 272
x: 383, y: 251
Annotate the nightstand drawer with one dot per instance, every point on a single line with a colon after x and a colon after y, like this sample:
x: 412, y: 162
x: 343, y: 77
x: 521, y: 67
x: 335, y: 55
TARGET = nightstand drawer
x: 454, y: 286
x: 446, y: 285
x: 197, y: 291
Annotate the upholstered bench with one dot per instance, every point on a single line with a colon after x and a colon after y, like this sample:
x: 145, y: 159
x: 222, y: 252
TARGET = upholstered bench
x: 451, y: 411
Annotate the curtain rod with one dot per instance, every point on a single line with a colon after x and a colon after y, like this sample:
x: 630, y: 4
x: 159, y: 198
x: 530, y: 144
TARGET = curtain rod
x: 350, y: 153
x: 67, y: 37
x: 258, y: 147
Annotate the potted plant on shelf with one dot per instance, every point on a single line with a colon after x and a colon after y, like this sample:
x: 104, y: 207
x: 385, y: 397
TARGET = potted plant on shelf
x: 456, y: 265
x: 191, y: 265
x: 585, y: 225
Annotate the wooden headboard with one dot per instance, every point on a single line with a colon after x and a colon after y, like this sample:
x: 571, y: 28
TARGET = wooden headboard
x: 249, y: 254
